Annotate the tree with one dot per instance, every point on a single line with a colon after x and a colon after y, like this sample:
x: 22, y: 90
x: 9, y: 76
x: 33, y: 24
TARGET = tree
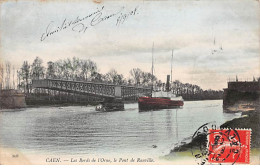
x: 7, y: 76
x: 19, y: 79
x: 84, y: 69
x: 136, y: 73
x: 96, y: 77
x: 59, y: 69
x: 75, y: 68
x: 50, y: 70
x: 147, y: 78
x: 1, y: 75
x: 115, y: 78
x: 91, y: 69
x: 37, y: 70
x: 130, y: 81
x: 25, y: 74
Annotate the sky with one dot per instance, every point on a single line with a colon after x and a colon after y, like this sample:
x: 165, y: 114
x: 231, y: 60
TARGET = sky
x: 212, y: 40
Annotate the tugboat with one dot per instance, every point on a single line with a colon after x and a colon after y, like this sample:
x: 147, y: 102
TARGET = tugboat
x: 160, y: 99
x: 111, y: 105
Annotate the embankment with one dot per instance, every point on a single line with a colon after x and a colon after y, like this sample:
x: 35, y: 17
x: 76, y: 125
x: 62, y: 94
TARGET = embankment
x: 249, y: 120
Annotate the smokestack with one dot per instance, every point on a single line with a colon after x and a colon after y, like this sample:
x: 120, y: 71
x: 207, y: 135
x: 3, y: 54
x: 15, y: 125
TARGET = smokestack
x: 168, y: 83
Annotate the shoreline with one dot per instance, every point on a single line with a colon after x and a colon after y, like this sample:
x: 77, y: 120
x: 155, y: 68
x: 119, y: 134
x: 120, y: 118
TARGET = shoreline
x: 37, y: 105
x: 247, y: 120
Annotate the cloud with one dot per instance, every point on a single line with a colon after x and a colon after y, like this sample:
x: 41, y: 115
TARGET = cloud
x: 188, y: 27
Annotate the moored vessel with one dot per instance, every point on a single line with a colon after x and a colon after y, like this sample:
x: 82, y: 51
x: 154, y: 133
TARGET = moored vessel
x: 111, y: 105
x: 160, y: 99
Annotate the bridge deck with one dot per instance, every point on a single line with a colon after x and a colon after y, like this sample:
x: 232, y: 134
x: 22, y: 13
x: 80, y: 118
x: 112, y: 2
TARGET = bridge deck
x: 91, y: 88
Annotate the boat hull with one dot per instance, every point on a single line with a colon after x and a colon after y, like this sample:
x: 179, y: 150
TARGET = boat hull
x: 153, y: 103
x: 115, y: 105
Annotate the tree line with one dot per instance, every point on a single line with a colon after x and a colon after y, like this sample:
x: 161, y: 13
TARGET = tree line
x: 78, y: 70
x: 86, y: 70
x: 194, y: 92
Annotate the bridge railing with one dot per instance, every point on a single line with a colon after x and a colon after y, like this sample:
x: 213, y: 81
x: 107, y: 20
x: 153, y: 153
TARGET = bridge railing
x: 99, y: 89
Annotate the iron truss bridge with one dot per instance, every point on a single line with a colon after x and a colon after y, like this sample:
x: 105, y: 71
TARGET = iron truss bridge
x: 92, y: 88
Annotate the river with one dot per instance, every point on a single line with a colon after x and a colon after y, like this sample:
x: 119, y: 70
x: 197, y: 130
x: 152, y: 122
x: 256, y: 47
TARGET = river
x: 80, y: 130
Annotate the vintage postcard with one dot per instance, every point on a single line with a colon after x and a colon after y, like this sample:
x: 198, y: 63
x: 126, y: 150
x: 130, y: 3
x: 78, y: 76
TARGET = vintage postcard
x: 139, y: 82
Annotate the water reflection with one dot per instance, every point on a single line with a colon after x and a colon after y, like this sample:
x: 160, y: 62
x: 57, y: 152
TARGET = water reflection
x: 169, y: 122
x: 81, y: 130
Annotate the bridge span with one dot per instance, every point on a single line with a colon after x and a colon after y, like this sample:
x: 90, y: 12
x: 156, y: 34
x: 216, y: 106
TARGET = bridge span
x: 93, y: 89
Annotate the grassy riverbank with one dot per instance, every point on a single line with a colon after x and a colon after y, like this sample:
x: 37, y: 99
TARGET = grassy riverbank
x: 248, y: 120
x: 251, y: 120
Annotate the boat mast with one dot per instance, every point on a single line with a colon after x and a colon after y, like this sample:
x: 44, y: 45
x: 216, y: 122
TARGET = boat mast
x: 171, y: 66
x: 152, y: 60
x: 152, y: 68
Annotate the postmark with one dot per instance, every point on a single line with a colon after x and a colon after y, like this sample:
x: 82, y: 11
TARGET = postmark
x: 229, y: 146
x: 221, y: 146
x: 199, y: 147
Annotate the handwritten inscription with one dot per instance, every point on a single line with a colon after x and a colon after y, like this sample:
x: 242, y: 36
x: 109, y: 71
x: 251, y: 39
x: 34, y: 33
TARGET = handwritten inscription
x: 81, y: 24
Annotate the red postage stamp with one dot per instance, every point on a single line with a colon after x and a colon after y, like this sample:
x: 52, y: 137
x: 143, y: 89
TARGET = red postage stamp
x: 229, y: 146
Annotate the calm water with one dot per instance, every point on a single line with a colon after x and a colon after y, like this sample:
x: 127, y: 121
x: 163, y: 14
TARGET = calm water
x: 82, y: 130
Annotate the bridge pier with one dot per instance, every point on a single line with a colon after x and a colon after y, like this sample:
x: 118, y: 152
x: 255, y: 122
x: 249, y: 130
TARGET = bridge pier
x: 113, y: 103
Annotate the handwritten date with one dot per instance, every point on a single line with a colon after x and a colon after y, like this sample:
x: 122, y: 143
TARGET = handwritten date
x: 81, y: 24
